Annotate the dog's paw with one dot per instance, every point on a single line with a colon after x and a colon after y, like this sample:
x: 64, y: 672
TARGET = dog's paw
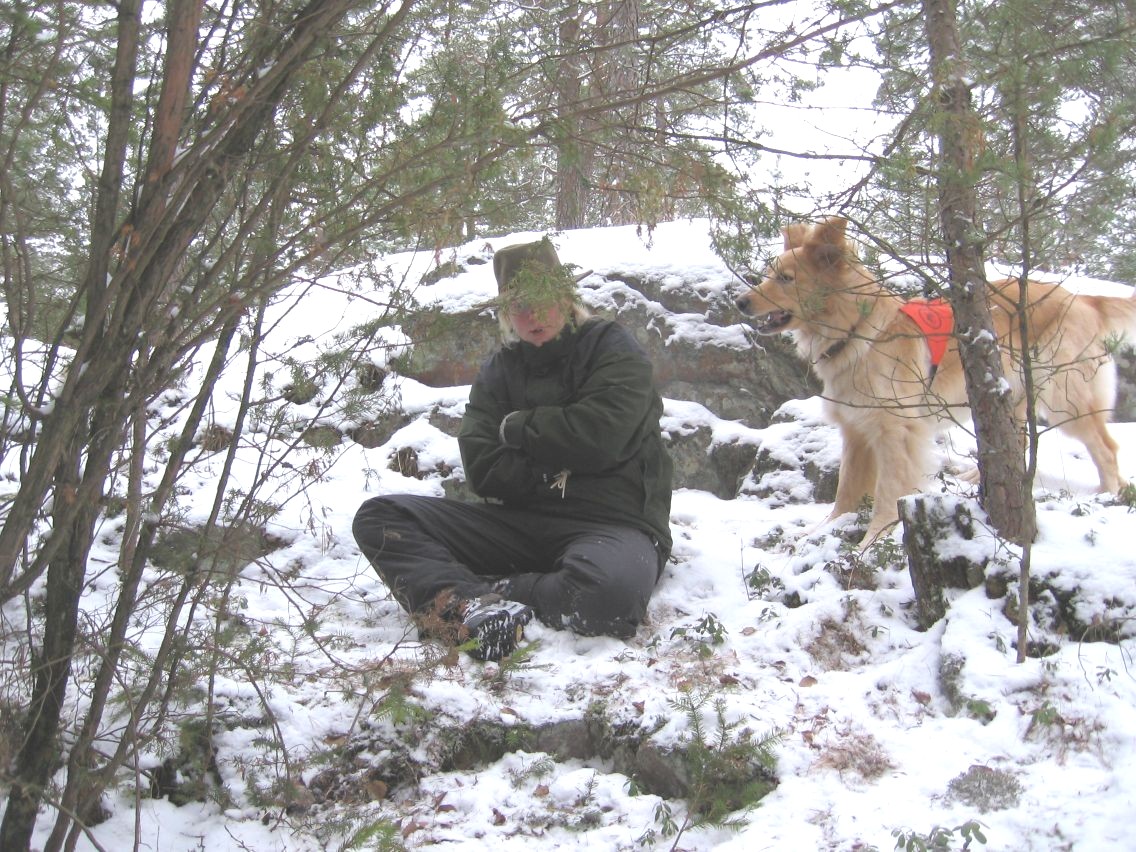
x: 967, y: 473
x: 816, y: 531
x: 877, y: 531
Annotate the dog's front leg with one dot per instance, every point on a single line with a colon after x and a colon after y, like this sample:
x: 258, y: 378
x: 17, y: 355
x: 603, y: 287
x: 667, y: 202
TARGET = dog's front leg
x: 902, y: 456
x: 858, y: 472
x: 857, y: 477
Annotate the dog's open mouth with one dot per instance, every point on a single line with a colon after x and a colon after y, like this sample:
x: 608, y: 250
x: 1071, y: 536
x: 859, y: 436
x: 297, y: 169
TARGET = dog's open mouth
x: 772, y: 322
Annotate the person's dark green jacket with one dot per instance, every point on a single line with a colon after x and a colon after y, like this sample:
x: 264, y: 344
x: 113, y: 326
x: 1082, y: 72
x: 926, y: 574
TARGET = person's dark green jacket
x: 586, y: 403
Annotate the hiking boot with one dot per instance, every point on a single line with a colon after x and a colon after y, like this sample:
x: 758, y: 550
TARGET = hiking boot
x: 497, y: 624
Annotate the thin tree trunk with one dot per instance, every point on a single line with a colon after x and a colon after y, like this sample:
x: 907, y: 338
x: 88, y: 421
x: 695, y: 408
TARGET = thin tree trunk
x: 1005, y: 492
x: 573, y: 154
x: 81, y: 791
x: 157, y: 247
x: 38, y: 753
x: 617, y: 77
x: 1024, y: 184
x: 92, y: 401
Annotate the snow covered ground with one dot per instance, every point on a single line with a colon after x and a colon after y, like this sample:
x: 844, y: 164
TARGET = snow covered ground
x: 874, y: 745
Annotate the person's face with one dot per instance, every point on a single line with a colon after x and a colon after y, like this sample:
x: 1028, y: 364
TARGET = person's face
x: 537, y: 324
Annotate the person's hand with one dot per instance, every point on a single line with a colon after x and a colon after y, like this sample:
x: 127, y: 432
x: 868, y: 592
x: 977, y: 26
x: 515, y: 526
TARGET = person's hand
x: 510, y: 437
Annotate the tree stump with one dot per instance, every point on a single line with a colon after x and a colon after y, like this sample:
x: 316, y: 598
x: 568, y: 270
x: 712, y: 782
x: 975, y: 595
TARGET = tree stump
x: 948, y: 546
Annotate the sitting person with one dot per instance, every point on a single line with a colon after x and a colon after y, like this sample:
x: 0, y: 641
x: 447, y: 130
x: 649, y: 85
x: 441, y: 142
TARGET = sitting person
x: 561, y: 437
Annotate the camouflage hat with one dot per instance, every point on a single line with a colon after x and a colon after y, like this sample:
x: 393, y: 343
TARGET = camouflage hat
x: 531, y: 272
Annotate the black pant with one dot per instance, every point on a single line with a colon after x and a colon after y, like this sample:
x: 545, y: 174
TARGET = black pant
x: 592, y: 578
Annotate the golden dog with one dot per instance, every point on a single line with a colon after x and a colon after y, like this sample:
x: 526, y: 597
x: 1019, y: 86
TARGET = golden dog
x: 880, y: 387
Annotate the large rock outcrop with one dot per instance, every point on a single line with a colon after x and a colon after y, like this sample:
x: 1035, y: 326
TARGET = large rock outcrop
x: 695, y: 338
x: 702, y: 352
x: 700, y: 349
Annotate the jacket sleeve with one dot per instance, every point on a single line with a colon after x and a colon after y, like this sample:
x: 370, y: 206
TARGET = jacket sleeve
x: 601, y: 426
x: 494, y: 470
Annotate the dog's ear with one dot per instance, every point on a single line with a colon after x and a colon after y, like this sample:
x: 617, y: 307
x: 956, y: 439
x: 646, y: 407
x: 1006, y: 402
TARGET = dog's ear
x: 795, y: 234
x: 826, y: 245
x: 830, y: 231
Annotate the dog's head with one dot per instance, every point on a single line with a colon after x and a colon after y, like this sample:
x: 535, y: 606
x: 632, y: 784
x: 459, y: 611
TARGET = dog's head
x: 797, y: 287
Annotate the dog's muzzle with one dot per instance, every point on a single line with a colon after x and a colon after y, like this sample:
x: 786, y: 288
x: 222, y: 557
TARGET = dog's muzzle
x: 772, y: 322
x: 742, y: 304
x: 769, y: 323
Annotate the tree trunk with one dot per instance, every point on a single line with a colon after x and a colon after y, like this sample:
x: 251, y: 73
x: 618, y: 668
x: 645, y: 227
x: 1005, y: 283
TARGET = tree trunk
x: 121, y: 323
x: 617, y: 78
x: 81, y: 792
x: 1005, y: 492
x: 38, y: 755
x: 929, y: 520
x: 573, y: 153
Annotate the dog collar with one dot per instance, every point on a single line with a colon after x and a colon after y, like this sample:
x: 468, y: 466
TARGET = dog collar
x: 838, y: 347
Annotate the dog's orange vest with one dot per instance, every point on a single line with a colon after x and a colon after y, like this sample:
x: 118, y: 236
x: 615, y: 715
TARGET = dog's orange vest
x: 936, y: 320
